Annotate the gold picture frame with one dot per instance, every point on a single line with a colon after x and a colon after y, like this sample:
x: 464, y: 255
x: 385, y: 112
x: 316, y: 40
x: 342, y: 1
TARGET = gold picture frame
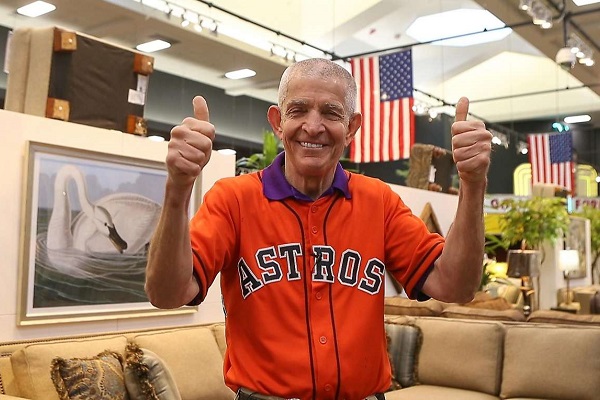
x: 87, y: 222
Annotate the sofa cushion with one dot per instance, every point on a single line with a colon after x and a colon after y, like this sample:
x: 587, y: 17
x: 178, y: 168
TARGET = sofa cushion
x: 462, y: 354
x: 147, y: 376
x: 219, y: 332
x: 398, y: 305
x: 404, y: 343
x: 560, y: 317
x: 91, y: 378
x: 194, y: 359
x: 31, y: 364
x: 436, y: 393
x: 545, y: 361
x: 488, y: 302
x: 483, y: 313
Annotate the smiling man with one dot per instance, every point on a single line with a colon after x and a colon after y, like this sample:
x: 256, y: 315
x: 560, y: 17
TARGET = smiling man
x: 302, y: 246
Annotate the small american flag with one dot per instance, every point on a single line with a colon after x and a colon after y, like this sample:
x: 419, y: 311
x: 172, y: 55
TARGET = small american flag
x: 551, y: 158
x: 385, y: 89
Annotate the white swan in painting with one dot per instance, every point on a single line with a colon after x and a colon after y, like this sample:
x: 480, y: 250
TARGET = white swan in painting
x: 120, y: 223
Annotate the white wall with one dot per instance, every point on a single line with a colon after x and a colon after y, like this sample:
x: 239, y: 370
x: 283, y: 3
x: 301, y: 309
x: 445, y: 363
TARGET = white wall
x: 443, y: 205
x: 16, y: 129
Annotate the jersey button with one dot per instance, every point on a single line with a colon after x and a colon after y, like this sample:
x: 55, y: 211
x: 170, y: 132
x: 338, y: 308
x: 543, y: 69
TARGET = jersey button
x: 323, y: 339
x: 314, y: 230
x: 318, y: 295
x: 327, y: 388
x: 314, y: 209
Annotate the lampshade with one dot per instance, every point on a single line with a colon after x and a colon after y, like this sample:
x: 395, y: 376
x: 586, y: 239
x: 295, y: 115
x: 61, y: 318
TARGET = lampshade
x: 523, y: 263
x: 568, y: 260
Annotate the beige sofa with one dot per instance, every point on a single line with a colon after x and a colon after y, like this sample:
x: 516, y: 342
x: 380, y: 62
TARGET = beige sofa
x: 468, y: 359
x: 455, y: 359
x: 470, y: 352
x: 192, y: 354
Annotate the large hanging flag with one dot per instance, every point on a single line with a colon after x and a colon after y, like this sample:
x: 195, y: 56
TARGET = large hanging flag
x: 385, y: 99
x: 551, y: 158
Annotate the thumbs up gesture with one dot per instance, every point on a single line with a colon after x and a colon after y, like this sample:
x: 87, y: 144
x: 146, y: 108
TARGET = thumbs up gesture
x: 190, y: 146
x: 471, y: 146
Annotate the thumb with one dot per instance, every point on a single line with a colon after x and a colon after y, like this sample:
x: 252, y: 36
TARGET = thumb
x: 462, y: 109
x: 200, y: 108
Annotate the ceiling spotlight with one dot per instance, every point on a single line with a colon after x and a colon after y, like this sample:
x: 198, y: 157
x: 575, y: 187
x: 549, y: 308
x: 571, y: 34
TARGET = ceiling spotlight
x: 588, y: 62
x: 525, y: 4
x: 541, y: 15
x: 579, y: 48
x: 565, y: 58
x: 522, y: 148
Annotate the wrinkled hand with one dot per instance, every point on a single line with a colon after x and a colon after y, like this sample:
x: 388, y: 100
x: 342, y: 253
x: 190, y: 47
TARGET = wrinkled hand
x: 190, y: 146
x: 471, y: 146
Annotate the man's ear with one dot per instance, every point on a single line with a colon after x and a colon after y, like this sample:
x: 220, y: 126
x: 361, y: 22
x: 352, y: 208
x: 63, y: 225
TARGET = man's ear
x: 274, y: 117
x: 353, y: 126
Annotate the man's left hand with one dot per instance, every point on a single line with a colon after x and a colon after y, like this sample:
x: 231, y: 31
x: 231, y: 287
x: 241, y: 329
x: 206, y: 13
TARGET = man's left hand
x: 471, y: 146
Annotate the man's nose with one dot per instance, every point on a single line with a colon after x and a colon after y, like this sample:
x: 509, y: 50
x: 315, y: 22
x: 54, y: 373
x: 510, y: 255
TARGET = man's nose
x: 313, y: 124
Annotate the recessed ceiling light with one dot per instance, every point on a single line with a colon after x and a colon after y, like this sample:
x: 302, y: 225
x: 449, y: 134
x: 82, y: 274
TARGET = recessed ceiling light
x: 153, y: 45
x: 240, y: 74
x: 585, y: 2
x: 456, y: 23
x: 36, y: 9
x: 574, y: 119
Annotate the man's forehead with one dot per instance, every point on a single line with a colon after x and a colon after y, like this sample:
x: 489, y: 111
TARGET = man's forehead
x: 309, y: 101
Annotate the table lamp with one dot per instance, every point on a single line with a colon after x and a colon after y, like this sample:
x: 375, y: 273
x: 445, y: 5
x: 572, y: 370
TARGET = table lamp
x: 525, y: 265
x: 568, y: 261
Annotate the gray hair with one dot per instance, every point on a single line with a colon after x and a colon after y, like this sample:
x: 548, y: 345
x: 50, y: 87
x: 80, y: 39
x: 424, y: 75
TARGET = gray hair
x: 319, y: 68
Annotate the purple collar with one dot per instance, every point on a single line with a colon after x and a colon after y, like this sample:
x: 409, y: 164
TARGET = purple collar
x: 276, y: 187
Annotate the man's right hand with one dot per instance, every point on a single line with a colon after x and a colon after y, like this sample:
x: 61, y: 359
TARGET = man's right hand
x: 190, y: 146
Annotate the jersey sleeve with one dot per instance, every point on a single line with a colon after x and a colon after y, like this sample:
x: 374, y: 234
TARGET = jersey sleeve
x: 411, y: 249
x: 212, y: 234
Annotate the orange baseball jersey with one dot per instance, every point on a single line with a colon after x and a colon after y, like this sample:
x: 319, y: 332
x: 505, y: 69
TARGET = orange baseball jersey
x: 303, y: 281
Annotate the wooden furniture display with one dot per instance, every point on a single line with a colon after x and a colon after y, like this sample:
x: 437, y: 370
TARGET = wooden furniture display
x: 74, y: 77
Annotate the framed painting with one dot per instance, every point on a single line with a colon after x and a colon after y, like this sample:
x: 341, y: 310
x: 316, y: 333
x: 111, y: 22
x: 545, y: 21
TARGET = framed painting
x: 88, y: 219
x: 578, y: 238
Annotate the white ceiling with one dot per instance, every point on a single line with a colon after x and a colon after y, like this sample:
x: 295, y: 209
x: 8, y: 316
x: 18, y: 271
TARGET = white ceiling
x: 505, y: 69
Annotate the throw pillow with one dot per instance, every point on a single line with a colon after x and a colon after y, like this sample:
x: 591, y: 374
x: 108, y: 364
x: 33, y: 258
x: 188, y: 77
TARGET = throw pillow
x: 147, y: 376
x: 404, y: 343
x: 95, y: 378
x: 495, y: 303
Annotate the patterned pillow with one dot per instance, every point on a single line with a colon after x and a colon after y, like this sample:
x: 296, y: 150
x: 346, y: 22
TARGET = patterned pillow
x: 404, y: 343
x: 94, y: 378
x: 147, y: 376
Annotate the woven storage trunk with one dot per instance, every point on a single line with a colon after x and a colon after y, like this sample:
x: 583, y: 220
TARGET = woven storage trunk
x: 74, y: 77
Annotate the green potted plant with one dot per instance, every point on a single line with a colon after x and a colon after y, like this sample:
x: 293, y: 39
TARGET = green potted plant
x: 593, y: 214
x: 258, y: 161
x: 528, y: 224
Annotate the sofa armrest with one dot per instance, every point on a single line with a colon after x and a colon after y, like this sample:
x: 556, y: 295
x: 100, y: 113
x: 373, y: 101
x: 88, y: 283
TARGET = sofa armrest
x: 7, y: 397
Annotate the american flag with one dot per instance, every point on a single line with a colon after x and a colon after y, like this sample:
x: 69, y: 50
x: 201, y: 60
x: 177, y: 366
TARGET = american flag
x: 551, y: 158
x: 385, y: 89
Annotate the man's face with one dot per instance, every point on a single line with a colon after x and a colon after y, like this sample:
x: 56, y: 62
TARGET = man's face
x: 314, y: 126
